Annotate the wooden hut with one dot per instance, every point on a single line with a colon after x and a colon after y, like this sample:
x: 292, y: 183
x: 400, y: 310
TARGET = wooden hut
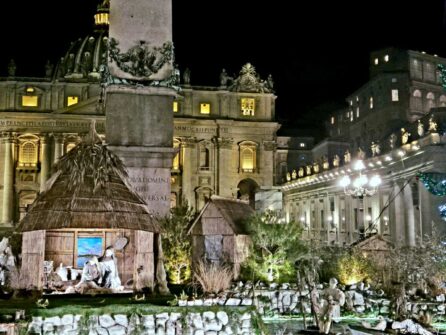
x: 219, y: 233
x: 86, y: 207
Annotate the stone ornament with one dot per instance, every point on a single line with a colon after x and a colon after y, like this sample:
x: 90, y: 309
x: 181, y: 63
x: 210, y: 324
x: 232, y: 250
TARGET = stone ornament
x: 288, y: 176
x: 404, y: 136
x: 336, y: 161
x: 347, y: 157
x: 294, y: 174
x: 316, y: 167
x: 325, y: 163
x: 376, y: 149
x: 432, y: 125
x: 141, y: 60
x: 249, y: 81
x: 420, y: 128
x: 301, y: 172
x: 308, y: 170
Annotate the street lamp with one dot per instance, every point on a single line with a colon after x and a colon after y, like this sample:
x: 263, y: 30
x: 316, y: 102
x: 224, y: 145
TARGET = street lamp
x: 361, y: 185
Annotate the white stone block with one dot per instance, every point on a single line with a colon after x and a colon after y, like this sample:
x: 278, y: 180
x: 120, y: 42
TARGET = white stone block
x: 233, y: 302
x: 223, y: 317
x: 106, y: 320
x: 67, y: 319
x: 208, y: 315
x: 213, y: 325
x: 55, y: 320
x: 117, y: 330
x: 148, y: 321
x: 246, y: 302
x: 121, y: 319
x: 199, y: 332
x: 48, y: 327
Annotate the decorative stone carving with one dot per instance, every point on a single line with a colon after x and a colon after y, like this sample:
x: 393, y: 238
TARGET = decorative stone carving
x: 308, y: 170
x: 347, y: 157
x: 432, y: 125
x: 325, y: 163
x: 336, y: 161
x: 376, y: 149
x: 141, y: 61
x: 225, y: 142
x: 420, y: 128
x: 12, y: 68
x: 294, y: 174
x: 224, y: 78
x: 186, y: 77
x: 404, y: 136
x: 288, y: 176
x: 316, y: 167
x: 300, y: 173
x: 269, y: 145
x: 249, y: 81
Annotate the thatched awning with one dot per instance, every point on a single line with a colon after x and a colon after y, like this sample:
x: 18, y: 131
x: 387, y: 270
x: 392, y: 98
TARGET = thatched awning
x: 89, y: 190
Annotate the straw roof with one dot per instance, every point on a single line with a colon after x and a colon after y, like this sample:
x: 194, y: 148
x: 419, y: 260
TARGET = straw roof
x: 234, y: 212
x: 88, y: 190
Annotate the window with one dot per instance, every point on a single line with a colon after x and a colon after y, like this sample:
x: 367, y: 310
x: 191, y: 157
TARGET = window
x: 248, y: 106
x: 430, y: 101
x: 332, y: 120
x: 371, y: 102
x: 386, y: 58
x: 72, y: 100
x: 175, y: 107
x: 357, y: 112
x: 351, y: 102
x: 205, y: 108
x: 30, y: 101
x: 416, y: 69
x: 302, y: 144
x: 247, y: 160
x: 204, y: 158
x: 28, y: 154
x: 376, y: 61
x: 357, y: 99
x: 88, y: 247
x: 428, y: 72
x: 395, y: 96
x: 394, y: 80
x: 416, y: 101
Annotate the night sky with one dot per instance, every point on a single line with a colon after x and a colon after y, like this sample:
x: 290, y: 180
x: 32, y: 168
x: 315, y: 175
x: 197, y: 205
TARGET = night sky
x: 317, y: 53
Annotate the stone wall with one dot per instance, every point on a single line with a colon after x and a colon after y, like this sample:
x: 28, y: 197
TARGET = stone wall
x: 194, y: 321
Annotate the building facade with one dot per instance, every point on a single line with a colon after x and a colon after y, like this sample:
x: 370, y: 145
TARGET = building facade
x: 395, y: 125
x: 225, y: 135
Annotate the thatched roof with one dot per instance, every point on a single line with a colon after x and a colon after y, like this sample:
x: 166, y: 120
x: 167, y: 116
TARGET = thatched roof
x: 234, y: 212
x: 88, y: 190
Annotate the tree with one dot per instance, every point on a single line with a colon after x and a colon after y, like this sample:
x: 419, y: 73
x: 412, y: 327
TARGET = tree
x: 177, y: 244
x: 274, y: 247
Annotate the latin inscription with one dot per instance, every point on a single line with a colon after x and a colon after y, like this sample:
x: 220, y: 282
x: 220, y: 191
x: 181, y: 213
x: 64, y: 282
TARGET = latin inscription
x: 49, y: 124
x: 200, y: 129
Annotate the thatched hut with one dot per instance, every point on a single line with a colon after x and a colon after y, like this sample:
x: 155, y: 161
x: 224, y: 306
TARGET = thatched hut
x: 219, y: 232
x: 86, y: 207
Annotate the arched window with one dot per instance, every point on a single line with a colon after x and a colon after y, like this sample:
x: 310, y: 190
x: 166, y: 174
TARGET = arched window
x: 416, y: 69
x: 248, y: 160
x: 416, y: 101
x: 28, y: 154
x: 442, y: 100
x: 430, y: 101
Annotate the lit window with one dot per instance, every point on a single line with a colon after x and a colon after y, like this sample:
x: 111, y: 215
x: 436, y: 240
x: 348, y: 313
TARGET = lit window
x: 30, y: 90
x: 357, y: 112
x: 30, y: 101
x: 205, y: 108
x: 72, y: 100
x: 376, y: 61
x: 247, y: 160
x: 101, y: 19
x: 351, y: 116
x: 302, y: 144
x: 175, y: 107
x: 248, y: 106
x: 357, y: 99
x: 371, y: 102
x: 394, y: 80
x: 395, y: 96
x: 386, y: 58
x: 28, y: 154
x: 351, y: 102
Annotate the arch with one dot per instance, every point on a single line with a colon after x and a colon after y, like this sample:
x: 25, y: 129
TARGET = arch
x: 247, y: 189
x: 417, y: 94
x: 442, y: 100
x: 28, y: 150
x: 416, y: 100
x: 248, y: 156
x: 430, y: 101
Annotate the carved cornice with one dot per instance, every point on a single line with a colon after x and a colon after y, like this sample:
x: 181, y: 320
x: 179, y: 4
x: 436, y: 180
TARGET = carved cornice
x: 224, y: 142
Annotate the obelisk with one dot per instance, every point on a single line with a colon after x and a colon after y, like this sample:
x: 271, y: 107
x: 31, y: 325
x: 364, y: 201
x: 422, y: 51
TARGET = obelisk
x: 139, y: 96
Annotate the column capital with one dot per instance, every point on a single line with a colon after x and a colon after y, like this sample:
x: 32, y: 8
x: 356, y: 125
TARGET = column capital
x: 224, y: 142
x: 9, y: 137
x: 58, y: 137
x: 44, y: 138
x: 269, y: 145
x: 188, y: 142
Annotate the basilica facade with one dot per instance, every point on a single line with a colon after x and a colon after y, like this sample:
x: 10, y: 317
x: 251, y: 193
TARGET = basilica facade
x: 225, y: 135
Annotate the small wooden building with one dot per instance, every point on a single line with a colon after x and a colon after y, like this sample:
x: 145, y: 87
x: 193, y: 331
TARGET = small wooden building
x: 86, y: 207
x: 219, y: 233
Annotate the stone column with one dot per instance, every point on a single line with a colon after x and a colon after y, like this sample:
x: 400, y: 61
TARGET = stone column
x: 409, y: 215
x: 188, y: 144
x: 396, y: 219
x: 8, y: 181
x: 44, y: 161
x: 58, y: 146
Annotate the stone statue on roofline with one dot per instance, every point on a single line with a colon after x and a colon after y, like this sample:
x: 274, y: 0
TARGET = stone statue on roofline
x: 12, y: 68
x: 347, y: 157
x: 432, y: 125
x: 404, y: 136
x: 420, y: 128
x: 336, y: 161
x: 186, y: 77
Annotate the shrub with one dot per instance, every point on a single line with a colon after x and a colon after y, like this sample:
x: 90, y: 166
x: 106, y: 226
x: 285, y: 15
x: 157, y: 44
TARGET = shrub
x: 213, y: 277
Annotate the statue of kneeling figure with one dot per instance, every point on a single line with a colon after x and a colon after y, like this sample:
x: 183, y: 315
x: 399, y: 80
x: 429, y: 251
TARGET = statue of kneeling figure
x: 100, y: 273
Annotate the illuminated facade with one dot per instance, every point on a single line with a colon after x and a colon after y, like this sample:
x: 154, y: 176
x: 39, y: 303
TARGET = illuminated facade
x: 395, y: 123
x: 225, y: 135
